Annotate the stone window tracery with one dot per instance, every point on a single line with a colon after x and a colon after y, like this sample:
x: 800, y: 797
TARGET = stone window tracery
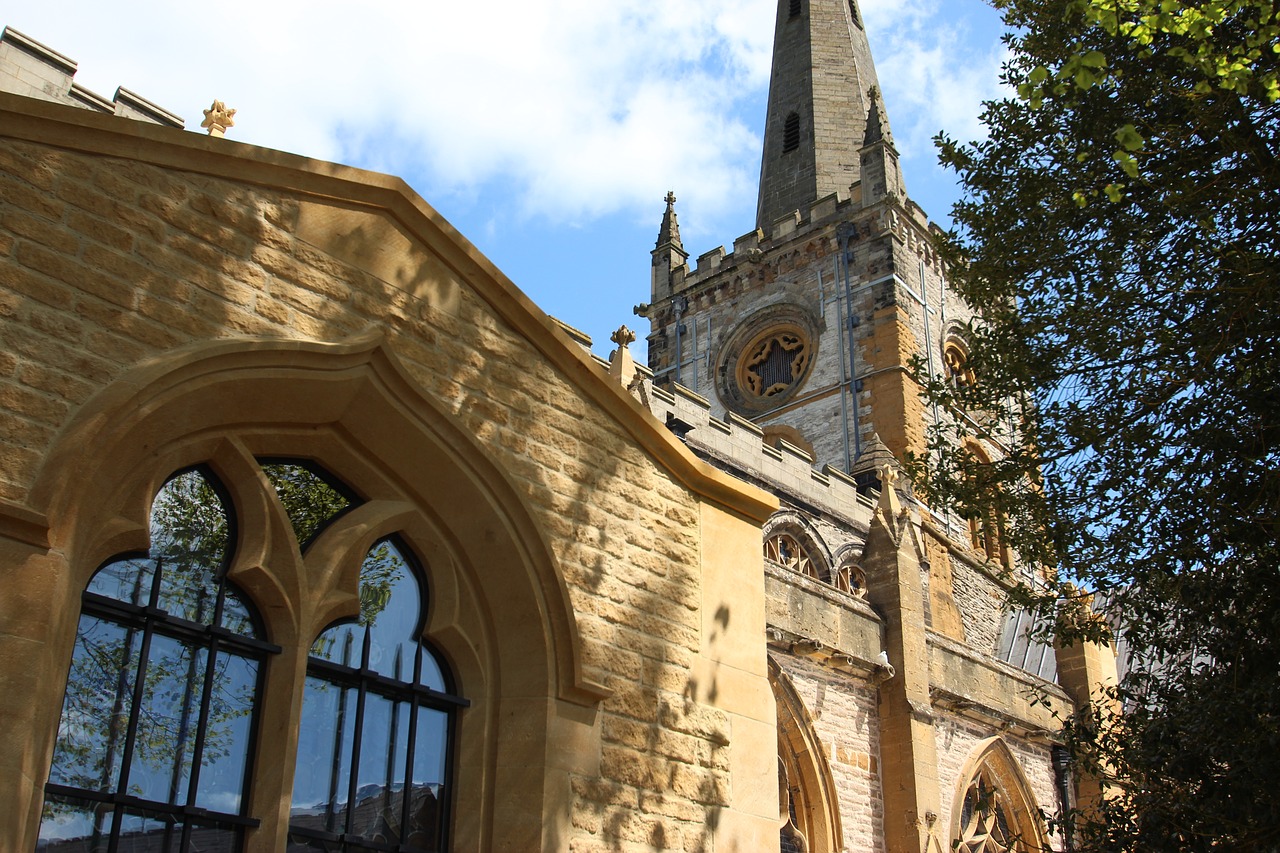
x: 956, y: 362
x: 993, y: 810
x: 167, y: 683
x: 783, y: 549
x: 850, y: 579
x: 373, y: 744
x: 984, y: 819
x: 766, y: 360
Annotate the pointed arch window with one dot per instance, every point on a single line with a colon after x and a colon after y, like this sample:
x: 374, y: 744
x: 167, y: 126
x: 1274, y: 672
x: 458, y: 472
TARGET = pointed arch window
x: 986, y: 529
x: 155, y: 740
x: 373, y: 765
x: 852, y: 579
x: 956, y: 361
x: 994, y: 811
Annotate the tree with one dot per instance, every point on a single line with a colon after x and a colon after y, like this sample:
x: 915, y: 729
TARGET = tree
x: 1118, y: 235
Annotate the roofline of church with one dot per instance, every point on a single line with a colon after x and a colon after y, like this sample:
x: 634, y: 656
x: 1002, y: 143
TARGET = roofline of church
x: 88, y: 132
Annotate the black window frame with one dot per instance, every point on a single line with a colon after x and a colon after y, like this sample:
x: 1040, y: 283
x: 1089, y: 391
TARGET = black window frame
x: 151, y: 620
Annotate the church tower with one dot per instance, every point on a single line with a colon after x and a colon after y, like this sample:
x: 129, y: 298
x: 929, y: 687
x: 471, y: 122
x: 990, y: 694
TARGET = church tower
x: 808, y: 326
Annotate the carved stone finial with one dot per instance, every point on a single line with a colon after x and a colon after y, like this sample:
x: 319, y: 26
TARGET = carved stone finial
x: 623, y: 336
x: 888, y: 490
x: 671, y: 198
x: 218, y: 118
x: 622, y: 367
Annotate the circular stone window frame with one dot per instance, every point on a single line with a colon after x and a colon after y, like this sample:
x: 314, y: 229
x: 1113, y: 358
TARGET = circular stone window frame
x: 732, y: 381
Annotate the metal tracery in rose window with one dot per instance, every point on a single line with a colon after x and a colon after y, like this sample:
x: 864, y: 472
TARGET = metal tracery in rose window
x: 783, y: 549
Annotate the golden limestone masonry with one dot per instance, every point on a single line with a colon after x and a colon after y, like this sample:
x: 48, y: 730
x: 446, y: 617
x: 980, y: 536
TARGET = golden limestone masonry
x: 317, y: 534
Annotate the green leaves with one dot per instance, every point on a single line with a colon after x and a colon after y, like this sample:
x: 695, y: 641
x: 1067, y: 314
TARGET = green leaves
x: 1121, y: 232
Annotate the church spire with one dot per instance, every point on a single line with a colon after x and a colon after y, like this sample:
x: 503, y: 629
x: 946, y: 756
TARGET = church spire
x: 669, y: 231
x: 669, y: 255
x: 818, y: 105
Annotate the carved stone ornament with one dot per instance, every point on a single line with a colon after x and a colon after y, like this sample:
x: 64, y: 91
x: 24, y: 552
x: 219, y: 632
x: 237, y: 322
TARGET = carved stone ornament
x: 218, y: 118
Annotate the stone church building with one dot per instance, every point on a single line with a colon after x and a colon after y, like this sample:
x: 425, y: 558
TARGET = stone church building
x: 317, y: 534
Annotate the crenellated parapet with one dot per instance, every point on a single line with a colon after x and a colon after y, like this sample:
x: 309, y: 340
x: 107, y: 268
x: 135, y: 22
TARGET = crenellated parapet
x: 29, y: 68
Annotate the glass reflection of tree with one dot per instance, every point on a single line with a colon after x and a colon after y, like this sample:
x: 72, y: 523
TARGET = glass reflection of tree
x: 377, y: 710
x: 158, y: 715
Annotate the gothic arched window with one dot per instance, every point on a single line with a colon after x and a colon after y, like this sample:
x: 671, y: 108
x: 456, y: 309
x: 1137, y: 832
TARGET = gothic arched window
x: 993, y: 810
x: 986, y: 529
x: 852, y: 579
x: 154, y: 744
x: 378, y: 708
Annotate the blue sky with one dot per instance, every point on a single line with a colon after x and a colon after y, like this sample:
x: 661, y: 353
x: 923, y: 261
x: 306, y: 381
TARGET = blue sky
x: 546, y: 131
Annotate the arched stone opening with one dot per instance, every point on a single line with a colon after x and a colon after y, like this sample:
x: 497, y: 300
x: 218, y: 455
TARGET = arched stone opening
x: 499, y: 612
x: 993, y: 809
x: 808, y: 806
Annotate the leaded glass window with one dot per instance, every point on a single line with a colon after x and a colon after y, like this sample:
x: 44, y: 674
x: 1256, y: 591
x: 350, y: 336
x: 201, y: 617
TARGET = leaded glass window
x: 155, y: 740
x: 373, y: 765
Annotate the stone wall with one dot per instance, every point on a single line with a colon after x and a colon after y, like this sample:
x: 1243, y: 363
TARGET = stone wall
x: 113, y: 264
x: 844, y: 714
x: 957, y: 738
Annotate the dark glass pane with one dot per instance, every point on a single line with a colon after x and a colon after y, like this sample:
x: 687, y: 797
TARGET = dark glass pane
x: 236, y: 617
x: 214, y: 839
x: 165, y: 741
x: 72, y: 826
x: 125, y: 580
x: 95, y: 710
x: 427, y: 787
x: 326, y: 738
x: 308, y: 498
x: 431, y: 739
x: 390, y: 607
x: 226, y: 735
x: 141, y: 833
x: 380, y: 779
x: 190, y: 537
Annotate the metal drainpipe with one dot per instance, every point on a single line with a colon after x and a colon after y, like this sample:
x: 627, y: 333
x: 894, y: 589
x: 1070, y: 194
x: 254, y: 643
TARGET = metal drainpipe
x: 1061, y: 759
x: 680, y: 304
x: 928, y: 335
x: 844, y: 235
x: 844, y: 386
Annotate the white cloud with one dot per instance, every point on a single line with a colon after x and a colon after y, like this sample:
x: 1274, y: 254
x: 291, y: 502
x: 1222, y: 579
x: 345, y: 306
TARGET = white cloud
x: 584, y: 107
x: 580, y: 108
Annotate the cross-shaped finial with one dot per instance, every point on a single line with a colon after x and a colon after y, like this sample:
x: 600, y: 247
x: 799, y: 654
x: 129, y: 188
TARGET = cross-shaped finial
x: 671, y: 198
